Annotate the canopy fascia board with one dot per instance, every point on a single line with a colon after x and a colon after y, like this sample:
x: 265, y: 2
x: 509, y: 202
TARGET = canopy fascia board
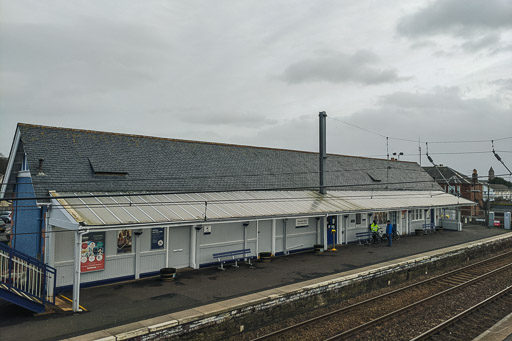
x: 78, y: 222
x: 60, y: 217
x: 248, y: 219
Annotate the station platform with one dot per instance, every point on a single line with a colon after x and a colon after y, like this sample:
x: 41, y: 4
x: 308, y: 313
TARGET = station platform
x: 120, y: 307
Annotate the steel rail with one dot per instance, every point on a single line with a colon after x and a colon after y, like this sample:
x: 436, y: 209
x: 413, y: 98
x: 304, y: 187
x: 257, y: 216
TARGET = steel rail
x: 340, y: 310
x: 442, y: 326
x: 397, y: 312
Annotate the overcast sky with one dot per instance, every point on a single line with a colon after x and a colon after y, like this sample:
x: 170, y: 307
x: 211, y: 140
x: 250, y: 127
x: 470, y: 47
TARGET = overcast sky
x: 258, y: 73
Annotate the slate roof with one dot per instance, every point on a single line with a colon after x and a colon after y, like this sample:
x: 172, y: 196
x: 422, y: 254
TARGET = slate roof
x: 450, y: 174
x: 94, y: 161
x: 499, y: 187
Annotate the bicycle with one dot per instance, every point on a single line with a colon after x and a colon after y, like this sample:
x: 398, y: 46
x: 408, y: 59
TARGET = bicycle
x: 378, y: 236
x: 395, y: 235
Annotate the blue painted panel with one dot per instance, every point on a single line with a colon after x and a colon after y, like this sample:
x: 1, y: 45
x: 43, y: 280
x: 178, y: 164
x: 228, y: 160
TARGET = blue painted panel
x: 22, y: 302
x: 332, y: 225
x: 27, y: 220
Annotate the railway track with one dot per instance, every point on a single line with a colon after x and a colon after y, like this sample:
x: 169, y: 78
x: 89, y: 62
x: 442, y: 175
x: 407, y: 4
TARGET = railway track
x: 378, y: 317
x: 473, y: 321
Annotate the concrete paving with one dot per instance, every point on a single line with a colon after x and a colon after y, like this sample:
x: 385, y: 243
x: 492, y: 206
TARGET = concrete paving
x: 132, y: 302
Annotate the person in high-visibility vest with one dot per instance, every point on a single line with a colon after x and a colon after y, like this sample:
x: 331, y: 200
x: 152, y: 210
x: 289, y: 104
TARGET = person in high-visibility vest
x: 374, y: 227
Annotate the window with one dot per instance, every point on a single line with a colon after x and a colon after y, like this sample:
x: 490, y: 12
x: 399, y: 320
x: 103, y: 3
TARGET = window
x: 418, y: 214
x: 358, y: 219
x: 379, y: 217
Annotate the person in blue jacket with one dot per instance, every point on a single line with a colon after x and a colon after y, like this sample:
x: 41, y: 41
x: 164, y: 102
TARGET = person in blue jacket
x: 389, y: 232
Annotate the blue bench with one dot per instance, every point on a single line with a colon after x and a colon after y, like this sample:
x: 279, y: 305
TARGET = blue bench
x: 428, y: 228
x: 366, y: 237
x: 236, y: 255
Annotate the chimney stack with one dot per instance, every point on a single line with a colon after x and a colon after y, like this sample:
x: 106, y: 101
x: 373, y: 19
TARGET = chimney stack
x: 40, y: 168
x: 323, y: 146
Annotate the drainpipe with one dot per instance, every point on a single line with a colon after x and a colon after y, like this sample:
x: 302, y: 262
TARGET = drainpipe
x: 318, y: 236
x: 195, y: 246
x: 246, y: 225
x: 257, y: 238
x: 322, y: 116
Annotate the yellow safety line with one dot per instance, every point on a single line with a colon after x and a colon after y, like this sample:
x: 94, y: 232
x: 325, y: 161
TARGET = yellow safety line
x: 64, y: 297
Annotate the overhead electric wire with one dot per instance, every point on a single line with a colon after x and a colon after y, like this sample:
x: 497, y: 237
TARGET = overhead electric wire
x: 37, y: 182
x: 415, y: 141
x: 163, y: 192
x: 353, y: 125
x: 376, y: 194
x: 447, y: 153
x: 499, y: 158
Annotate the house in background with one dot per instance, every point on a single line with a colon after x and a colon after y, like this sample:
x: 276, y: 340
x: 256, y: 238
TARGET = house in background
x: 98, y: 207
x: 466, y: 187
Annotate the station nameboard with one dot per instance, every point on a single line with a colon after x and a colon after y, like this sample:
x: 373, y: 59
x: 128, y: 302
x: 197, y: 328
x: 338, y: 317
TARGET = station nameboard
x: 301, y: 222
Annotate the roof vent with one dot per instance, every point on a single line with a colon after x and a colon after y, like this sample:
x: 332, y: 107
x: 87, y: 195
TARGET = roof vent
x: 374, y: 177
x: 107, y: 166
x: 40, y: 168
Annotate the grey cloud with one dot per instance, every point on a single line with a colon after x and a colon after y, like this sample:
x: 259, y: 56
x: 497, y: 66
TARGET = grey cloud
x: 96, y: 54
x: 339, y: 68
x: 438, y: 115
x: 456, y: 17
x: 503, y: 83
x: 201, y: 116
x: 441, y: 101
x: 484, y: 42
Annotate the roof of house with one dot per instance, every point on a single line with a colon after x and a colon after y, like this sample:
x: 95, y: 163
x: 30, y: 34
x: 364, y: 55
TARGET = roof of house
x: 71, y: 160
x: 499, y: 187
x: 451, y: 175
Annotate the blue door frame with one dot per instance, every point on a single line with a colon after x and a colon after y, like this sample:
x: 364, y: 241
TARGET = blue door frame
x: 332, y: 223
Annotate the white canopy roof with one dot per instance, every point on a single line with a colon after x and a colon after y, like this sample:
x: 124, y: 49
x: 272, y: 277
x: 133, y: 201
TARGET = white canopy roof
x: 122, y: 209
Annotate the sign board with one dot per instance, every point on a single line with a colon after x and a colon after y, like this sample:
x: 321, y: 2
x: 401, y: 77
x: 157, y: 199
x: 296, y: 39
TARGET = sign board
x: 92, y: 252
x: 301, y: 222
x: 124, y: 241
x: 157, y: 238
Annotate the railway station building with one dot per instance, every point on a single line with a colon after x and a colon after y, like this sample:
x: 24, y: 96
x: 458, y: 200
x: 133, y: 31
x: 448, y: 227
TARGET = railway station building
x: 100, y: 207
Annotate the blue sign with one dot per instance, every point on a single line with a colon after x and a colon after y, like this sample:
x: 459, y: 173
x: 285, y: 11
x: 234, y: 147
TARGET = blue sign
x: 157, y: 238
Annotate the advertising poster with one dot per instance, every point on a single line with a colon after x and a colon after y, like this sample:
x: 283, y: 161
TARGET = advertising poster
x: 92, y: 254
x: 124, y: 241
x: 157, y: 238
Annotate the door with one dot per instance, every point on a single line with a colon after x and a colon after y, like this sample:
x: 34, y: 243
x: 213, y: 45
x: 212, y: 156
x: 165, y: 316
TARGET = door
x: 179, y: 247
x: 332, y: 229
x: 404, y: 222
x: 265, y: 236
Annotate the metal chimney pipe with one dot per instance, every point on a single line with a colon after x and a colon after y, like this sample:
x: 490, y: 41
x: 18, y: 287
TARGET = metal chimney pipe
x: 323, y: 154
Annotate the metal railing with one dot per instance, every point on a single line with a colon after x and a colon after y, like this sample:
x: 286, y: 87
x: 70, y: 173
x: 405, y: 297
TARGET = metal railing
x: 26, y: 276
